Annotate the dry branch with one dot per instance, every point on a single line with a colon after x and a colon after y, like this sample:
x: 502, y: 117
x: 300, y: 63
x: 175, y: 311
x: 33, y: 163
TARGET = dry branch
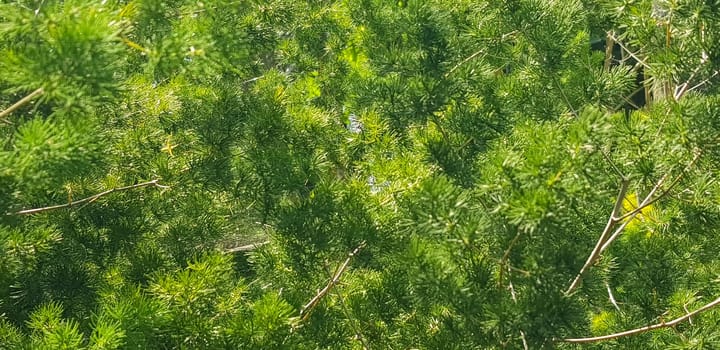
x: 611, y: 296
x: 88, y: 200
x: 506, y: 256
x: 682, y: 88
x: 564, y: 96
x: 649, y: 200
x: 609, y: 44
x: 604, y: 242
x: 646, y: 328
x: 305, y: 311
x: 358, y: 331
x: 704, y: 81
x: 603, y: 236
x: 612, y: 35
x: 466, y: 60
x: 246, y: 248
x: 514, y: 299
x: 475, y: 54
x: 20, y: 103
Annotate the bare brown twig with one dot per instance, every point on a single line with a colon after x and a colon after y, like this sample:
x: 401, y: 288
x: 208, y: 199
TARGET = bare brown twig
x: 305, y: 311
x: 703, y: 82
x: 649, y: 199
x: 682, y: 88
x: 632, y: 214
x: 88, y: 200
x: 20, y: 103
x: 672, y: 323
x: 606, y: 239
x: 475, y: 54
x: 611, y: 296
x: 506, y: 256
x: 609, y: 43
x: 612, y: 164
x: 514, y: 299
x: 466, y: 60
x: 603, y: 236
x: 564, y: 96
x: 355, y: 325
x: 246, y: 248
x: 612, y: 35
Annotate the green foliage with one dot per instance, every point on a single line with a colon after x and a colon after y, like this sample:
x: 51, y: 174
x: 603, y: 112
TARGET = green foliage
x: 71, y: 49
x: 357, y: 174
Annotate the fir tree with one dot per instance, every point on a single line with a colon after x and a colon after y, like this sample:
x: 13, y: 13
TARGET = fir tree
x: 359, y: 174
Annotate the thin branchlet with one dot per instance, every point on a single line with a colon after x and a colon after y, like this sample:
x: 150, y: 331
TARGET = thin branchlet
x: 87, y: 200
x: 635, y: 331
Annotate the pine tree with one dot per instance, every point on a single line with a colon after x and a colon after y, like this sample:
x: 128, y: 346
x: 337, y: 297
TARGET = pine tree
x: 359, y: 174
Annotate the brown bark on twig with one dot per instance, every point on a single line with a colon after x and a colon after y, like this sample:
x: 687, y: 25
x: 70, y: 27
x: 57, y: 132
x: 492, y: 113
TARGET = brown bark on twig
x: 609, y: 44
x: 666, y: 191
x: 20, y: 103
x: 87, y: 200
x: 612, y: 35
x: 246, y: 248
x: 648, y: 201
x: 703, y: 82
x: 646, y: 328
x: 606, y: 239
x: 356, y: 327
x: 305, y: 311
x: 506, y: 256
x: 603, y: 237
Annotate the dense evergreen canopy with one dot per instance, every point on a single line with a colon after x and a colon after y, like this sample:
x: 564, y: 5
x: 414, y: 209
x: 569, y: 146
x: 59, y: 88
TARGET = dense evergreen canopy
x: 238, y: 174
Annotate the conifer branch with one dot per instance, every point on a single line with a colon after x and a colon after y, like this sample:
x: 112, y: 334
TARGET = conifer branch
x: 88, y: 200
x: 609, y: 43
x: 611, y: 296
x: 703, y: 82
x: 19, y: 104
x: 564, y: 96
x: 466, y: 60
x: 682, y: 88
x: 663, y: 324
x: 246, y: 248
x: 605, y: 241
x: 611, y: 35
x: 505, y: 257
x: 649, y: 199
x: 358, y: 332
x: 305, y: 311
x: 625, y: 183
x: 613, y: 165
